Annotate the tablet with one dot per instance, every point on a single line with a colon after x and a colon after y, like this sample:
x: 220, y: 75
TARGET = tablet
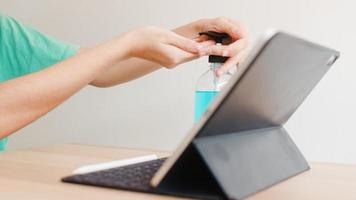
x: 266, y: 89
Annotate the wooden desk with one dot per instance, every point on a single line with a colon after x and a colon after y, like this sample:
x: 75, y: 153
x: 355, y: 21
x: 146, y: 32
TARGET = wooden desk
x: 35, y: 174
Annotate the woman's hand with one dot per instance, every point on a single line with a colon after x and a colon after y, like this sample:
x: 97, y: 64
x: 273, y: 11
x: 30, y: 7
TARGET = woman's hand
x: 162, y: 46
x: 235, y: 49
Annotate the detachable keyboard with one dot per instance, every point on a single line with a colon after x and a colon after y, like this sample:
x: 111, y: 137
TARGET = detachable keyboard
x: 134, y: 177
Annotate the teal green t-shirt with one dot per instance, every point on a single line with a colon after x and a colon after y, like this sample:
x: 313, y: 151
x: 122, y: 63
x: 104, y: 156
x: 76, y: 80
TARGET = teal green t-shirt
x: 24, y: 50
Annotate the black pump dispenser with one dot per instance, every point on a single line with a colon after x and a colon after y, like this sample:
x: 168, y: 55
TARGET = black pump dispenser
x: 218, y: 37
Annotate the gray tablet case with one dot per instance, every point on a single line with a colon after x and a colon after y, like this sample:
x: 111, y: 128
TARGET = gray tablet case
x: 243, y: 148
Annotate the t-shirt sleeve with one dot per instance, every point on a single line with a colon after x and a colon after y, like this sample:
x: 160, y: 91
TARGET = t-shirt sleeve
x: 24, y: 50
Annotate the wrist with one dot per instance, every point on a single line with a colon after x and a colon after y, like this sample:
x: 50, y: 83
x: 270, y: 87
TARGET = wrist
x: 122, y: 47
x: 128, y: 44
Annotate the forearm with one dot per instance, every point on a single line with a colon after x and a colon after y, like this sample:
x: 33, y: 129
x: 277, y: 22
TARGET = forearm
x: 25, y: 99
x: 125, y: 71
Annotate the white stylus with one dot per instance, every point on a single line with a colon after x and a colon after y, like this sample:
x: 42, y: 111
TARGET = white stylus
x: 113, y: 164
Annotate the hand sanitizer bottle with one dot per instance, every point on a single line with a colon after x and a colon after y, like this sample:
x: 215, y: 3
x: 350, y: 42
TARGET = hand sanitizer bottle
x: 209, y: 84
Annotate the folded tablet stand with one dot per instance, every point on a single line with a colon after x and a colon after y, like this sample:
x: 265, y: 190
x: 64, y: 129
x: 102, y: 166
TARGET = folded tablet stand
x: 235, y: 165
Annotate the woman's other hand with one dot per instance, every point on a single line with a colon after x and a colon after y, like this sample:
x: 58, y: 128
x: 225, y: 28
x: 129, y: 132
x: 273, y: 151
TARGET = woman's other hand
x: 235, y: 48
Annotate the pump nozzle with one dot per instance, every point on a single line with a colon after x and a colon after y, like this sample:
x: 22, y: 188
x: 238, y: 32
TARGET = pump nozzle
x: 218, y: 37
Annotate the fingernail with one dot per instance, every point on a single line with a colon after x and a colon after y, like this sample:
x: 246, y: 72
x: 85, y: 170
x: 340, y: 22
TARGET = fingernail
x: 219, y: 72
x: 225, y: 53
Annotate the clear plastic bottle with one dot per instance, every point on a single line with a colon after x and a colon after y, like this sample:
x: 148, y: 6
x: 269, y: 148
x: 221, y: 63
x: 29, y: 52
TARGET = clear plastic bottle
x: 209, y: 84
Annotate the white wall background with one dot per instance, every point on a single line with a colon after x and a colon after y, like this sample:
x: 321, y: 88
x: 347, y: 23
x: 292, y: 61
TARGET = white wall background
x: 157, y: 110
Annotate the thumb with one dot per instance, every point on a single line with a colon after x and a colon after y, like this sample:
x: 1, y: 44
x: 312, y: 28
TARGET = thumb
x: 231, y: 62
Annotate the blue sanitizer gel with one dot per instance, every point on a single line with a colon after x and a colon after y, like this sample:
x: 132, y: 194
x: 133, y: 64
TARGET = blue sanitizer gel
x: 3, y: 144
x: 203, y: 100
